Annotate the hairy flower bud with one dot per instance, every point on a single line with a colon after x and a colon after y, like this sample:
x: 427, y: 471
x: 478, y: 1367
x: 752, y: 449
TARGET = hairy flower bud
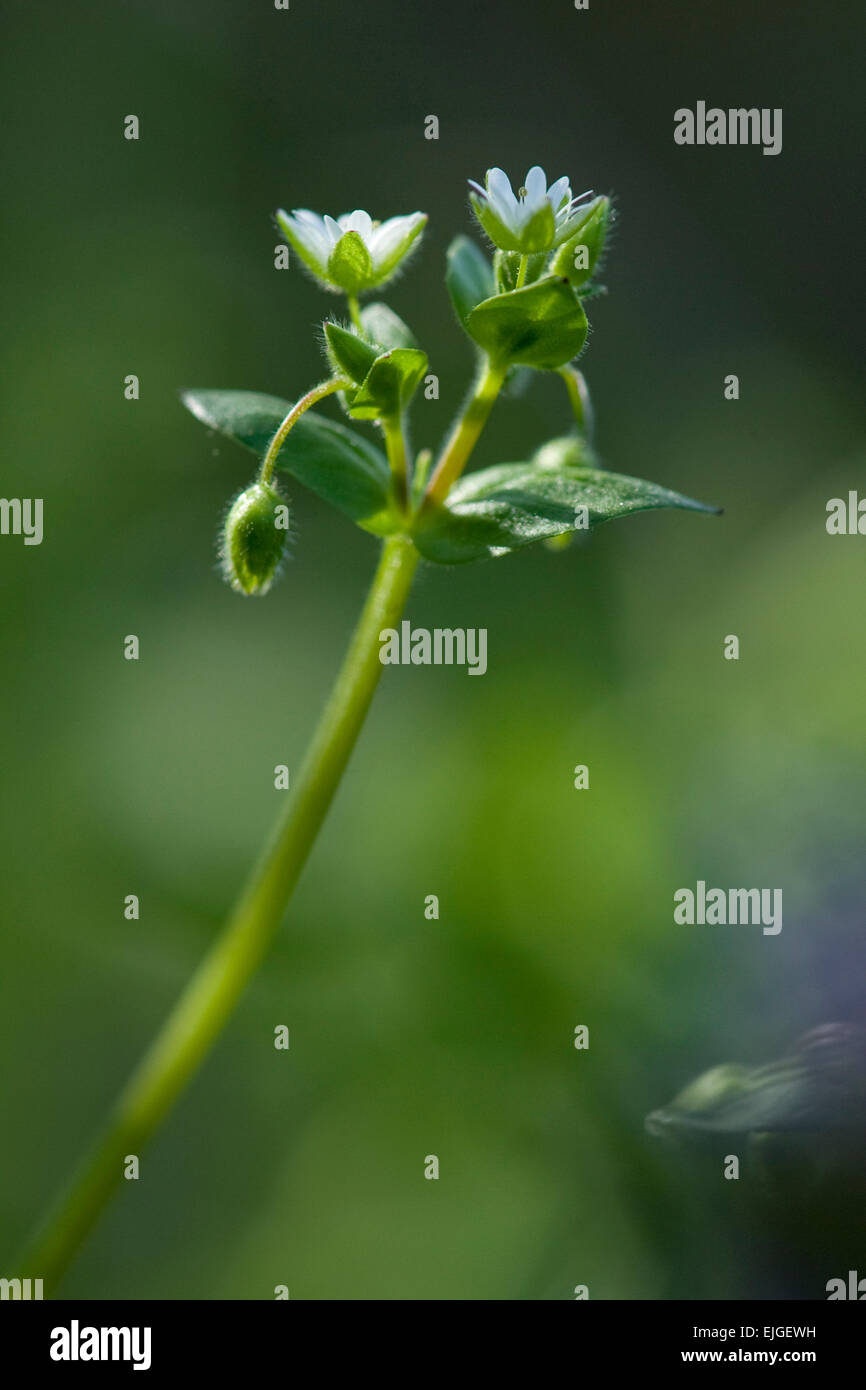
x: 254, y: 539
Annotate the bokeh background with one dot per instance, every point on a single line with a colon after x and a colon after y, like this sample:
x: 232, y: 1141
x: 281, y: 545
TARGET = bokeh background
x: 411, y: 1037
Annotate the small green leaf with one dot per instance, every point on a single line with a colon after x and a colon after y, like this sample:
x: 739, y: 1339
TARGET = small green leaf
x: 349, y: 353
x: 334, y: 462
x: 349, y: 264
x: 512, y: 505
x: 385, y: 327
x: 389, y: 384
x: 469, y: 277
x: 542, y: 325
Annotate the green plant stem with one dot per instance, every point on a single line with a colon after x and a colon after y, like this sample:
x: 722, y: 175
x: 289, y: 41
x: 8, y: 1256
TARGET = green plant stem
x: 211, y: 995
x: 578, y: 399
x: 395, y: 444
x: 420, y: 473
x: 521, y: 272
x: 355, y: 312
x: 317, y: 393
x: 465, y: 434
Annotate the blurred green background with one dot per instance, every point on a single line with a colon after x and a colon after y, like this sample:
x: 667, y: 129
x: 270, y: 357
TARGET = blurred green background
x: 411, y: 1037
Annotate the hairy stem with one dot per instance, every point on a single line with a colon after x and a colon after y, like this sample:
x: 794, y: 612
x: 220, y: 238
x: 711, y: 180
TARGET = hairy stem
x: 464, y: 436
x: 317, y: 393
x: 355, y: 312
x: 210, y: 997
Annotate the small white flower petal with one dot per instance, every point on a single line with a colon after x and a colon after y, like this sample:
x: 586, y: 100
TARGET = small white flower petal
x: 386, y: 239
x: 333, y: 230
x: 501, y: 194
x: 358, y: 221
x: 309, y: 228
x: 536, y: 186
x: 559, y: 193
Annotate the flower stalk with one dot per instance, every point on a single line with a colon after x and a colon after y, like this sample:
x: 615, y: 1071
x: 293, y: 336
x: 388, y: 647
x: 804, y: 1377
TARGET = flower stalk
x: 315, y: 394
x: 464, y: 436
x: 211, y: 995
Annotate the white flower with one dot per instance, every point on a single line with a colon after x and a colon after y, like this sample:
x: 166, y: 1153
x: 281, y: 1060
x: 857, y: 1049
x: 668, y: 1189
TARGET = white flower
x: 351, y: 253
x: 536, y: 219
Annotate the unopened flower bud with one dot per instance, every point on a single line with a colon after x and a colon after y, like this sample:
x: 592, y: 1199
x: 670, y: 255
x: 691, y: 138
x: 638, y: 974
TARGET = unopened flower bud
x: 254, y: 539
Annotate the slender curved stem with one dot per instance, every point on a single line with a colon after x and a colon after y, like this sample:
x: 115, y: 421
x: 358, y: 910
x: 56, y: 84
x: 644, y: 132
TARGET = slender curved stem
x: 209, y: 998
x: 465, y: 434
x: 355, y: 312
x: 317, y: 393
x: 521, y: 272
x: 578, y: 396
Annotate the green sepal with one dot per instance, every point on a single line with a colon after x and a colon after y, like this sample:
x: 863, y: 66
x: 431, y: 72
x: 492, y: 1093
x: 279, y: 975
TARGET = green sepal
x: 399, y: 253
x: 385, y: 327
x: 541, y: 325
x: 349, y: 264
x: 300, y: 248
x: 537, y: 235
x: 334, y: 462
x: 389, y: 385
x: 349, y: 353
x: 499, y: 234
x: 504, y: 508
x: 589, y: 240
x: 469, y: 277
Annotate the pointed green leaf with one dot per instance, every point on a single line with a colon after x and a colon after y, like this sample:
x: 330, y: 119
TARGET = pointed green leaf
x: 469, y: 276
x: 332, y: 461
x: 501, y: 509
x: 542, y: 325
x: 350, y: 354
x: 819, y: 1085
x: 385, y: 327
x: 389, y: 384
